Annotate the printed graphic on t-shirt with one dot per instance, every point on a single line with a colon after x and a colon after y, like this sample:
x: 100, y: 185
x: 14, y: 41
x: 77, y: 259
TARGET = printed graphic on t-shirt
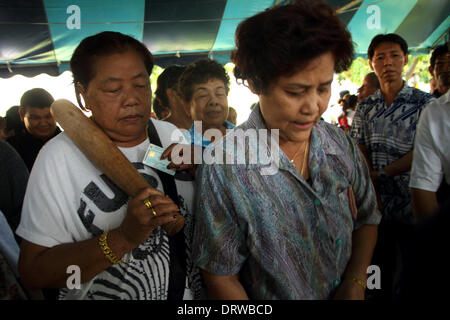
x: 145, y: 275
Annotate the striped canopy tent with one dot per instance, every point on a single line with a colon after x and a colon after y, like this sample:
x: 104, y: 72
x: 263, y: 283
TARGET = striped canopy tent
x: 39, y: 36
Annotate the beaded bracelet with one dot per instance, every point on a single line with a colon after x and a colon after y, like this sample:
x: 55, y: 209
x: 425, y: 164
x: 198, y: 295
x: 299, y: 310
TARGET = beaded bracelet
x: 107, y: 250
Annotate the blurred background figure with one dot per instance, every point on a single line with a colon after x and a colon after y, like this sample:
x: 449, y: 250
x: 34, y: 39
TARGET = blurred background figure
x: 14, y: 124
x: 342, y: 95
x: 352, y: 102
x: 14, y: 178
x: 384, y: 128
x: 10, y: 287
x: 369, y: 86
x: 204, y: 87
x: 341, y: 102
x: 232, y: 115
x: 168, y: 104
x: 349, y: 103
x: 440, y: 69
x: 3, y: 135
x: 160, y: 112
x: 40, y: 126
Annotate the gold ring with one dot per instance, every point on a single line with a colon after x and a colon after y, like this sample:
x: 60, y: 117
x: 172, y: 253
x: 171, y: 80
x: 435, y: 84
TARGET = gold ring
x: 148, y: 204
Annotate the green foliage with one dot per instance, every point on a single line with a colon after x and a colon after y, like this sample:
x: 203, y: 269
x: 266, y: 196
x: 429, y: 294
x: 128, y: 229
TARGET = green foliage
x: 229, y: 67
x: 357, y: 71
x: 360, y: 67
x: 157, y: 70
x: 421, y: 69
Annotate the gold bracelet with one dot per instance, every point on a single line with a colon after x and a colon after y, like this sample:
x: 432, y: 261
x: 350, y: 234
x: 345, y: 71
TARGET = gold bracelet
x: 360, y: 282
x: 107, y: 250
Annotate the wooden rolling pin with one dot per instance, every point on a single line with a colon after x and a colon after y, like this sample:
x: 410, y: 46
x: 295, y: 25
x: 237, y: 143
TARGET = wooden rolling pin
x: 101, y: 151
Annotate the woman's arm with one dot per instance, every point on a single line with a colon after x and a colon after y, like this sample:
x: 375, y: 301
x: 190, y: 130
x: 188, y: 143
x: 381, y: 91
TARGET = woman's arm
x: 224, y: 287
x: 364, y: 240
x: 362, y: 201
x: 42, y: 267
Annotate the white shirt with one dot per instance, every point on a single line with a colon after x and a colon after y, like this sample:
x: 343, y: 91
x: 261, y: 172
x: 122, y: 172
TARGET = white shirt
x: 431, y: 158
x: 69, y: 200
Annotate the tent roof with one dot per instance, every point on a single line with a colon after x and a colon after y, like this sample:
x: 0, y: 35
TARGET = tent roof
x: 40, y: 35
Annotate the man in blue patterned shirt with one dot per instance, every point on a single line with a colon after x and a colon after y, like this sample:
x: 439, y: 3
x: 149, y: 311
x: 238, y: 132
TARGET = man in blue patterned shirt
x: 384, y: 127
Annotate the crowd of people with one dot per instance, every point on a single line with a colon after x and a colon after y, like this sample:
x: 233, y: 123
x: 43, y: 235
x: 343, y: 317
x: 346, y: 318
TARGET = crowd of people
x: 306, y: 224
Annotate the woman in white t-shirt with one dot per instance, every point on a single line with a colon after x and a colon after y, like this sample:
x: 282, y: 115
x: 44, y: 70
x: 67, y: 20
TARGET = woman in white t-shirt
x: 81, y: 233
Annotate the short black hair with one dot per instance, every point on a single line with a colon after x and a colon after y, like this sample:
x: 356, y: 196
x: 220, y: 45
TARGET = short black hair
x: 439, y: 50
x: 390, y: 37
x: 168, y: 79
x: 90, y: 49
x: 201, y: 71
x: 13, y: 120
x: 352, y: 101
x: 36, y: 98
x: 343, y: 93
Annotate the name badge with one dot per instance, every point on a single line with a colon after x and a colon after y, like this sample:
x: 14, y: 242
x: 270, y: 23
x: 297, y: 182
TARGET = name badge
x: 153, y: 159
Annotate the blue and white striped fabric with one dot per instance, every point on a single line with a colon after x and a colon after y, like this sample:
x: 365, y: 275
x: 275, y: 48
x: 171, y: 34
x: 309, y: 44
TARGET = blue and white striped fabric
x: 388, y: 134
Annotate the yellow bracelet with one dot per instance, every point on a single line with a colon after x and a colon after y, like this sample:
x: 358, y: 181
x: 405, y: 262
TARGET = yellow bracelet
x: 360, y: 282
x: 107, y: 250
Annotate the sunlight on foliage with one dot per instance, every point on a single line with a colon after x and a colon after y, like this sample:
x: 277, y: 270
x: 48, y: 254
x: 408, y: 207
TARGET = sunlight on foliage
x: 157, y: 70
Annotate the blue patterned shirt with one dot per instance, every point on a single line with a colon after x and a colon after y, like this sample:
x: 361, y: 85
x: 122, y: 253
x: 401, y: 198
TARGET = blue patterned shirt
x: 289, y: 239
x: 388, y: 134
x: 196, y: 138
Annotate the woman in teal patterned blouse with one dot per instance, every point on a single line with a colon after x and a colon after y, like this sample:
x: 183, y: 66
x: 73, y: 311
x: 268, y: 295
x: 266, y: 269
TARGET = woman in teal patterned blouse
x: 307, y: 230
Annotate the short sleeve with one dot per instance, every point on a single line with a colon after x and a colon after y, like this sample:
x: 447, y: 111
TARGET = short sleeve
x: 219, y: 244
x: 426, y: 99
x: 426, y: 170
x: 46, y: 205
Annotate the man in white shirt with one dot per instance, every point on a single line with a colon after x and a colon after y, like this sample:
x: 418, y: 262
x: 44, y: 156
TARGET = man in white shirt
x: 431, y: 157
x: 440, y: 69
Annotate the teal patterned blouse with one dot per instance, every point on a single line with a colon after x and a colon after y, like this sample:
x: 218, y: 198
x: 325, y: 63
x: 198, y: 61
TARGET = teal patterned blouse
x: 288, y: 238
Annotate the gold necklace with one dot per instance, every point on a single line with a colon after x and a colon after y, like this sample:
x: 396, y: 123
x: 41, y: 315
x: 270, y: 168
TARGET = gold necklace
x: 304, y: 156
x: 297, y: 152
x: 295, y: 155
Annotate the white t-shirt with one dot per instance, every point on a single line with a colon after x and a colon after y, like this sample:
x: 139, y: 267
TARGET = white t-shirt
x: 431, y: 157
x: 69, y: 200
